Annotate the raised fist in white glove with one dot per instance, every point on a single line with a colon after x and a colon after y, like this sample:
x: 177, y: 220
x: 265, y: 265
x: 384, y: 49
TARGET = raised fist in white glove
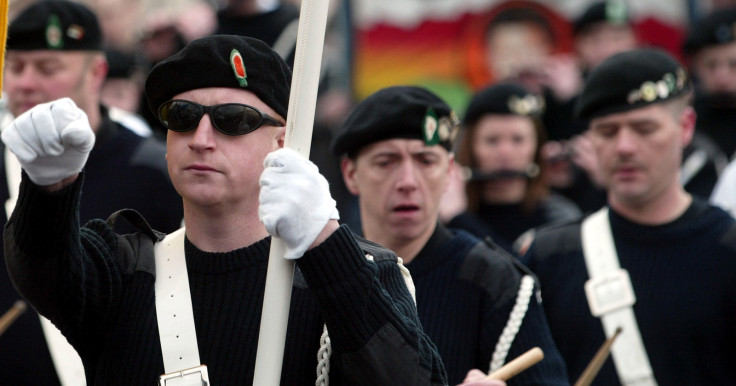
x: 295, y: 200
x: 52, y: 141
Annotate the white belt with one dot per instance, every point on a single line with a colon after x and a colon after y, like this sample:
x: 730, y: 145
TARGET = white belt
x: 175, y: 316
x: 611, y: 297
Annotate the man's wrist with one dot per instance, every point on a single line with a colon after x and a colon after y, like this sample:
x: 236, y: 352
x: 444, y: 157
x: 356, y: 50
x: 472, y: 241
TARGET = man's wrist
x: 61, y: 184
x: 327, y: 231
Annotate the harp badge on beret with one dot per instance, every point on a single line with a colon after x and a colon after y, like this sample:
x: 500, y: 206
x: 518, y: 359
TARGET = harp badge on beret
x: 53, y: 32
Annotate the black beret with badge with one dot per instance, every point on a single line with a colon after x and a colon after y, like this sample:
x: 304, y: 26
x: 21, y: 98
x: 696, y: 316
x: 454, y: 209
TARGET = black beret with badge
x: 408, y: 112
x: 718, y: 27
x: 222, y: 61
x: 55, y: 25
x: 503, y: 99
x: 631, y: 80
x: 610, y: 11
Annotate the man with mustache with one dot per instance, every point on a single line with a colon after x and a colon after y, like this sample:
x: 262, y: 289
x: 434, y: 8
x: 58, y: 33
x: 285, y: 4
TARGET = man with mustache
x: 474, y: 301
x: 656, y: 262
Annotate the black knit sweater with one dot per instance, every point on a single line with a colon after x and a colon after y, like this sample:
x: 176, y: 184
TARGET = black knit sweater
x: 506, y: 222
x: 684, y: 277
x: 466, y: 290
x: 98, y: 288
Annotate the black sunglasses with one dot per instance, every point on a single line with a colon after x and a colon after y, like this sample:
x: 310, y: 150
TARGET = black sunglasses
x: 227, y: 118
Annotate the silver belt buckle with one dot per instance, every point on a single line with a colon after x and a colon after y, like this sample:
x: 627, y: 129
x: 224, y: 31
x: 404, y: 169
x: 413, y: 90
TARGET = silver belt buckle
x: 201, y: 370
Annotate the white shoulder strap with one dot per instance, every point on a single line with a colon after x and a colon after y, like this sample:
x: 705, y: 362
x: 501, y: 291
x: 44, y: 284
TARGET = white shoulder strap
x: 611, y: 297
x: 692, y: 165
x: 286, y: 41
x: 12, y: 175
x: 175, y: 316
x: 66, y: 361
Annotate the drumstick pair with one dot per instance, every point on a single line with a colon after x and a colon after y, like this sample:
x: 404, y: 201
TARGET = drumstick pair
x: 535, y: 355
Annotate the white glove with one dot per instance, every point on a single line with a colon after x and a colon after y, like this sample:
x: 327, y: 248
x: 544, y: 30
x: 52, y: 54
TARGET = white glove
x: 52, y: 141
x: 295, y: 200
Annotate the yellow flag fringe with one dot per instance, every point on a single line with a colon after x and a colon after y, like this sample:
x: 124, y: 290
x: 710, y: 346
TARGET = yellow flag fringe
x: 3, y: 36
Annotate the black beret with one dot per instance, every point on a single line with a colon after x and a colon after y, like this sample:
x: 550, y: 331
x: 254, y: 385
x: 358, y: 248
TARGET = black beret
x: 611, y: 11
x: 55, y: 25
x: 505, y: 99
x: 397, y: 112
x: 222, y: 61
x: 718, y: 27
x: 631, y: 80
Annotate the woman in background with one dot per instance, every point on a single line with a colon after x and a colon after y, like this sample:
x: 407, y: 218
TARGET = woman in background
x: 499, y: 188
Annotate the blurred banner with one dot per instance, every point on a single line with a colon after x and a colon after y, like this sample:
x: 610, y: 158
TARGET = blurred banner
x: 437, y: 44
x: 442, y: 45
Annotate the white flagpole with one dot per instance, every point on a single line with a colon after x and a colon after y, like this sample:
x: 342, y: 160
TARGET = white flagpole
x: 299, y: 124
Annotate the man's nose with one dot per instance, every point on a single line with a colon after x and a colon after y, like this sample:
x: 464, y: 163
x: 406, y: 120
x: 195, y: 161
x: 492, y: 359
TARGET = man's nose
x: 204, y: 134
x: 407, y: 180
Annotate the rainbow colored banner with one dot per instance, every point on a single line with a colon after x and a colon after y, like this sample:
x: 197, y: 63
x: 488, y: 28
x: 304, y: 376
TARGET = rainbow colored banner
x: 441, y: 49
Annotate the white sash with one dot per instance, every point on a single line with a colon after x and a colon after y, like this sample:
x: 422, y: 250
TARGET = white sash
x: 611, y: 296
x: 67, y: 362
x: 175, y: 316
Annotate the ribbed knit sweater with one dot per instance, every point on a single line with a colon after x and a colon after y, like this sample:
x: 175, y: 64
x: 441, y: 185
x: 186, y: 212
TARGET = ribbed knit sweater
x: 684, y: 278
x: 466, y: 290
x: 98, y: 288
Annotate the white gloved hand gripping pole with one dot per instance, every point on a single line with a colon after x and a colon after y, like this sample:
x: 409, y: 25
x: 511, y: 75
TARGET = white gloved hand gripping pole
x: 299, y: 125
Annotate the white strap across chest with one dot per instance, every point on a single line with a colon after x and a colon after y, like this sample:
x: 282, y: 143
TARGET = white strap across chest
x: 611, y: 297
x: 12, y: 175
x: 68, y: 364
x: 174, y: 314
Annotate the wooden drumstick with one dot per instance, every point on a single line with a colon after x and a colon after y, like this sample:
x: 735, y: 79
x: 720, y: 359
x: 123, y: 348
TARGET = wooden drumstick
x: 590, y: 372
x: 521, y: 363
x: 10, y: 315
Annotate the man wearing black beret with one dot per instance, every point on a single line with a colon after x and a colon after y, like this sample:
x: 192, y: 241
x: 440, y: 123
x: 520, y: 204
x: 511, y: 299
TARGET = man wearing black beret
x: 656, y: 262
x: 474, y: 301
x: 603, y: 29
x: 189, y: 307
x: 54, y: 50
x: 710, y: 47
x: 710, y: 50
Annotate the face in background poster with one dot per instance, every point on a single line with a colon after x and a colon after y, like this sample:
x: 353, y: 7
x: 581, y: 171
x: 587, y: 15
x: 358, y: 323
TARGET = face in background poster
x: 455, y: 47
x: 448, y: 46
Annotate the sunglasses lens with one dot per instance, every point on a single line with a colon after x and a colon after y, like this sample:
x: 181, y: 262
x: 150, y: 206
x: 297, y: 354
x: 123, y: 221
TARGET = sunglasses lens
x: 236, y: 119
x: 180, y: 115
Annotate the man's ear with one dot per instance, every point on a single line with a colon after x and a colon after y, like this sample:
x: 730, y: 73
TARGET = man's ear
x: 347, y: 166
x: 98, y: 68
x: 687, y: 121
x: 280, y: 135
x: 450, y: 171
